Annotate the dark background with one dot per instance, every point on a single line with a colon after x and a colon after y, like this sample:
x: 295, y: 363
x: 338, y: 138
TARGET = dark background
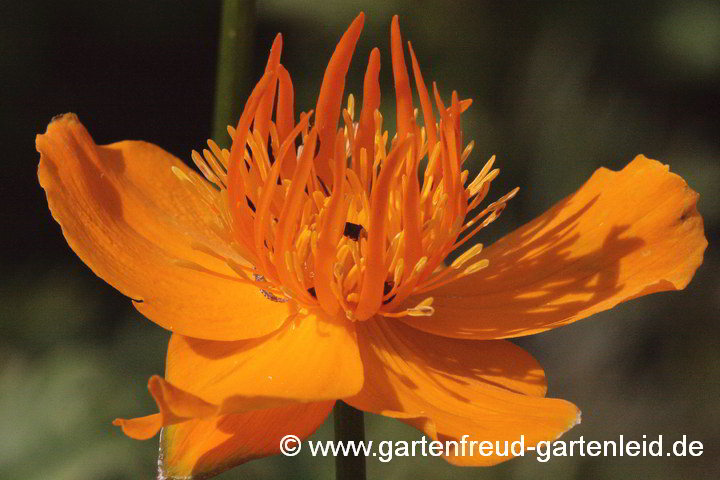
x: 560, y: 89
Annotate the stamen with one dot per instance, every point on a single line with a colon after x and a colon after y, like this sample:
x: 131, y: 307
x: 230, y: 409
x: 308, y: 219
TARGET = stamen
x: 466, y: 153
x: 205, y: 169
x: 422, y: 309
x: 465, y: 257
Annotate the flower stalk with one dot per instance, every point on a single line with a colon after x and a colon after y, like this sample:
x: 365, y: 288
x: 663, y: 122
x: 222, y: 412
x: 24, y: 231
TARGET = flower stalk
x: 237, y: 29
x: 349, y: 427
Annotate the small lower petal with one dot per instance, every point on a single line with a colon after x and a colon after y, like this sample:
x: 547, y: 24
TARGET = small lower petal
x: 203, y: 448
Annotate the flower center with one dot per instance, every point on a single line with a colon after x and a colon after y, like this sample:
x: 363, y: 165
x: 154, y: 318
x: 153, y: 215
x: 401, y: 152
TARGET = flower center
x: 350, y: 225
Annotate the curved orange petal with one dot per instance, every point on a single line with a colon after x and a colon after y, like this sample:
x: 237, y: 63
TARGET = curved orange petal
x: 622, y: 235
x: 175, y: 406
x: 133, y: 222
x: 309, y: 359
x: 203, y: 448
x: 488, y: 390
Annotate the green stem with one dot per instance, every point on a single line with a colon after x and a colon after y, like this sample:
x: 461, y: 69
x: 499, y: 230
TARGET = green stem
x: 234, y: 65
x: 349, y: 427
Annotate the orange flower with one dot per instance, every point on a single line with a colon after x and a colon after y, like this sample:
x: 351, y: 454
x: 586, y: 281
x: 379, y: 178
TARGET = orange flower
x: 292, y: 277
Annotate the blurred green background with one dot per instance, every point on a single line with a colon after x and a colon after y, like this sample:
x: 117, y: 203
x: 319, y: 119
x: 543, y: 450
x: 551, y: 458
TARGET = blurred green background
x: 560, y: 89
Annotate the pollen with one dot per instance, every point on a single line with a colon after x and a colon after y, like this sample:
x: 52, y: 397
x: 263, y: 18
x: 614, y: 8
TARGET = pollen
x: 344, y: 219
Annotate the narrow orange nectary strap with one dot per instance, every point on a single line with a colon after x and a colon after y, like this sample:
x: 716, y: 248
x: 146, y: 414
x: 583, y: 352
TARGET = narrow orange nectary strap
x: 290, y: 213
x: 285, y: 116
x: 365, y: 137
x: 332, y: 231
x: 403, y: 95
x: 406, y: 126
x: 330, y: 99
x: 374, y: 278
x: 425, y: 103
x: 447, y: 165
x: 236, y: 167
x: 262, y: 215
x: 454, y: 145
x: 411, y: 214
x: 264, y: 111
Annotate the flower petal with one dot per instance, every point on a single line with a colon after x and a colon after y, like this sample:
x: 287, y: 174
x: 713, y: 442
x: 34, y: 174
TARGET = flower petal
x: 622, y: 235
x: 204, y: 448
x: 175, y: 406
x: 134, y: 223
x: 488, y: 390
x: 309, y: 359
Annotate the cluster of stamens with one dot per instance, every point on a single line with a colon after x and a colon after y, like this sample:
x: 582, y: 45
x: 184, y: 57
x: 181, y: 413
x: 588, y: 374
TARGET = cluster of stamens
x: 339, y: 219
